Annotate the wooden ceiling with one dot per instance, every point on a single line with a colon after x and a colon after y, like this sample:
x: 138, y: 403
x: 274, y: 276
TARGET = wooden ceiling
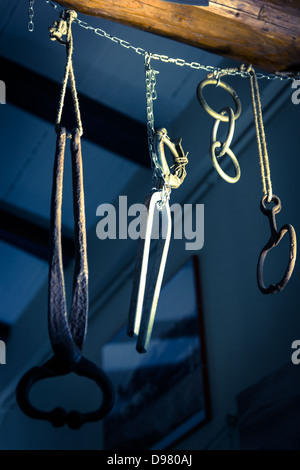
x: 265, y: 33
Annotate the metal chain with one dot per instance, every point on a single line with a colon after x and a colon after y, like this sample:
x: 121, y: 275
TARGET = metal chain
x: 30, y: 16
x: 158, y: 177
x: 56, y: 7
x: 180, y: 62
x: 151, y: 95
x: 226, y: 114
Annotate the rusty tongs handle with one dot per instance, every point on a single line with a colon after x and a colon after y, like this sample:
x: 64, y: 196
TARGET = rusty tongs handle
x: 276, y: 237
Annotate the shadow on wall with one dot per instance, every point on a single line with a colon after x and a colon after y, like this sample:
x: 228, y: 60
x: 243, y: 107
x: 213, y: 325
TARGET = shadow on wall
x: 269, y: 412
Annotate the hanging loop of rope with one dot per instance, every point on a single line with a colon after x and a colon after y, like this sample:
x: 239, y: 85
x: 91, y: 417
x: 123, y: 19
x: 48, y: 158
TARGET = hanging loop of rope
x: 60, y: 28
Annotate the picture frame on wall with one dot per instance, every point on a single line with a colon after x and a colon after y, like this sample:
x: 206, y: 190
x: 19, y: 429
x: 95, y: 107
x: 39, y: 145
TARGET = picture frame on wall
x: 161, y: 395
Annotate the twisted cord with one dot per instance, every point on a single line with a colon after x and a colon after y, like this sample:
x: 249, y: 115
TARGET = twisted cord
x: 64, y: 27
x: 261, y: 137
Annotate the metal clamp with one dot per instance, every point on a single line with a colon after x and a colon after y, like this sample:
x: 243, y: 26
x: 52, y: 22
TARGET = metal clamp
x: 208, y: 109
x: 58, y: 416
x: 276, y: 237
x: 179, y: 158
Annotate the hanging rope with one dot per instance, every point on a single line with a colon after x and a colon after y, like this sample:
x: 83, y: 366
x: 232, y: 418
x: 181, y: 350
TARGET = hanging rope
x: 30, y: 25
x: 276, y: 235
x: 59, y: 29
x: 67, y: 333
x: 261, y: 137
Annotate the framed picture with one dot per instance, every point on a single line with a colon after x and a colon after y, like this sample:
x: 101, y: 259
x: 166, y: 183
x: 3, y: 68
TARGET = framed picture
x: 163, y: 394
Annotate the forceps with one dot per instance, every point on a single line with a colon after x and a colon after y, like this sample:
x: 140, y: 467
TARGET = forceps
x: 144, y: 301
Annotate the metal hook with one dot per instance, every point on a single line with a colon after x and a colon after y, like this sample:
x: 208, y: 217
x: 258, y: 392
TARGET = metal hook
x: 276, y: 237
x: 179, y: 158
x: 142, y: 312
x: 217, y: 76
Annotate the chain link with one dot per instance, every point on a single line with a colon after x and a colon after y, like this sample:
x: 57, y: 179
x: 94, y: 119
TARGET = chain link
x: 158, y: 177
x: 178, y: 61
x: 30, y: 16
x: 54, y: 5
x: 100, y: 32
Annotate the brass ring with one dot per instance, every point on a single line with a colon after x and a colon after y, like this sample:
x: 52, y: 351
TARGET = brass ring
x: 208, y: 109
x: 229, y: 152
x: 279, y: 286
x: 226, y: 144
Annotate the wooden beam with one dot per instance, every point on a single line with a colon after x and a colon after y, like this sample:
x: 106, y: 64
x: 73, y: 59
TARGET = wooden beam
x: 265, y: 33
x: 39, y: 95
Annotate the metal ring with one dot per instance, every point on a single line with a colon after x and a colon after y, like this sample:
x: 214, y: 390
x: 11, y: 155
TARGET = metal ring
x: 173, y: 180
x: 229, y: 152
x: 275, y: 199
x: 208, y: 109
x: 55, y: 367
x: 279, y: 286
x: 213, y: 138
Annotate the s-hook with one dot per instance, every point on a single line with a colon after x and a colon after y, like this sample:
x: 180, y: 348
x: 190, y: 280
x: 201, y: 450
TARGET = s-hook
x: 67, y: 334
x: 226, y: 114
x: 269, y: 197
x: 143, y: 305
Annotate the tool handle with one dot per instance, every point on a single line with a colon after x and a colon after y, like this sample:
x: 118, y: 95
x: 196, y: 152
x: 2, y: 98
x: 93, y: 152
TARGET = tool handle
x: 58, y: 416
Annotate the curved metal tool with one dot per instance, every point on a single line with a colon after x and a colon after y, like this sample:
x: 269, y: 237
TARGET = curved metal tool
x: 143, y: 306
x: 173, y: 180
x: 145, y: 292
x: 224, y: 148
x: 276, y: 237
x: 67, y: 334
